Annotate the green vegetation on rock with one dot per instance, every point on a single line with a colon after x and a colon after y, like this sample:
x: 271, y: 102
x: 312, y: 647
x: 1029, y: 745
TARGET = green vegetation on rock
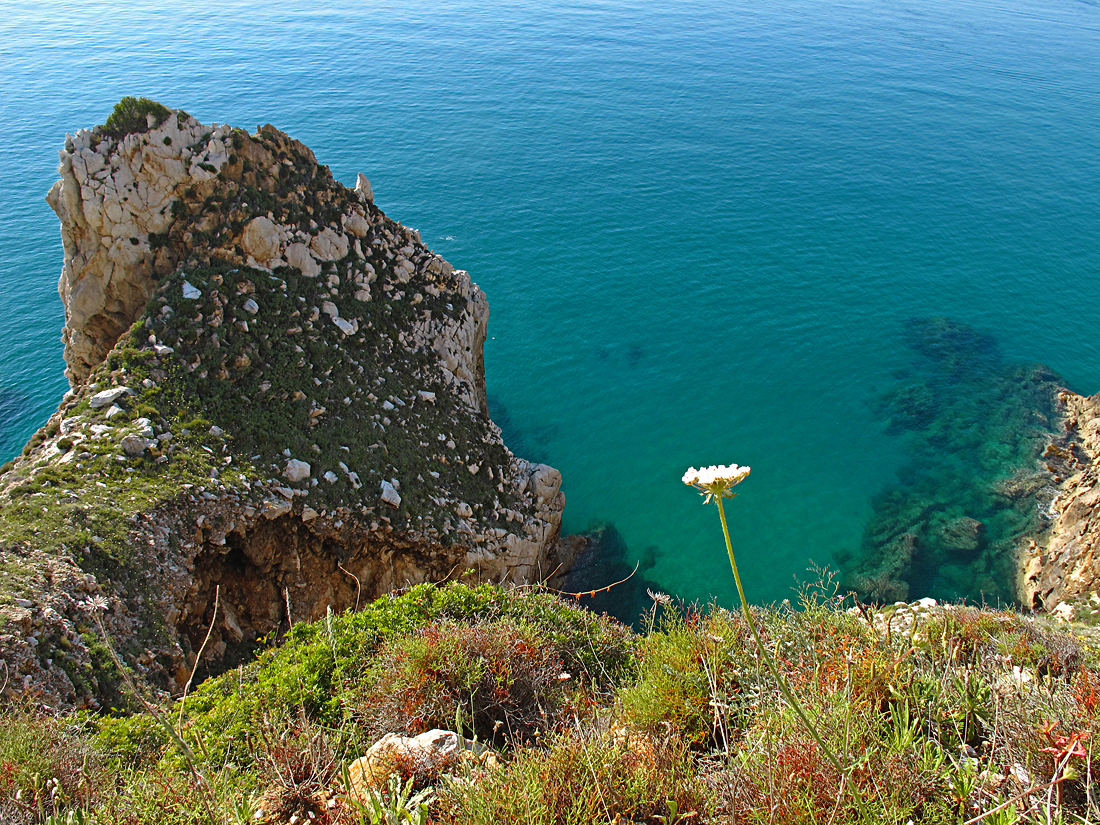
x: 131, y: 116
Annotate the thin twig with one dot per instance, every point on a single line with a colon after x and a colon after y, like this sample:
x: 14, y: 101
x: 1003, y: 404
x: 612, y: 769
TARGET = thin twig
x: 599, y: 590
x: 592, y: 768
x: 198, y: 656
x: 358, y: 586
x: 1012, y: 801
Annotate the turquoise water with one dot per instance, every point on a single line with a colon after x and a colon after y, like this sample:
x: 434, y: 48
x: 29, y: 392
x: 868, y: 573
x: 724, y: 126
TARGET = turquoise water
x: 702, y: 227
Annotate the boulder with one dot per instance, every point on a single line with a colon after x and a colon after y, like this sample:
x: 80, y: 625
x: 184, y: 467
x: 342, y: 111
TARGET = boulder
x: 108, y: 397
x: 296, y: 470
x: 389, y: 495
x: 429, y: 754
x: 261, y: 240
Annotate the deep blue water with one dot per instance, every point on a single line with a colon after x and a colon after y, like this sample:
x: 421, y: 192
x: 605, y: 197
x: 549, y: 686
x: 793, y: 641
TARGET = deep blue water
x: 702, y: 226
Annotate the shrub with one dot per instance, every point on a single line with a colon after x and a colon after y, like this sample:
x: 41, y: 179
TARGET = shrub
x: 322, y: 666
x: 583, y: 777
x: 47, y: 762
x: 498, y: 677
x: 130, y: 116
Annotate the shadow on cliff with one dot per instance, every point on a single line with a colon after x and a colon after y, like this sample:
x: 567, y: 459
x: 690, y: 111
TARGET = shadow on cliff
x: 605, y: 563
x: 531, y: 443
x: 974, y: 429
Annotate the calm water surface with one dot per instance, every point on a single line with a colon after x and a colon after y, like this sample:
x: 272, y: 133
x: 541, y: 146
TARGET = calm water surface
x: 702, y: 226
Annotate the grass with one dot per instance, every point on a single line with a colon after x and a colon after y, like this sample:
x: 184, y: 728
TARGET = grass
x: 947, y: 715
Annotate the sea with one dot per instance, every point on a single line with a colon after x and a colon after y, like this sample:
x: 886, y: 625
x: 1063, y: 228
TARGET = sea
x: 710, y: 232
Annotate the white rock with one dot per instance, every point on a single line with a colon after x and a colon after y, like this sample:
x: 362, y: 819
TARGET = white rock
x: 308, y: 513
x: 112, y: 412
x: 190, y: 292
x: 547, y: 481
x: 297, y: 255
x: 251, y: 307
x: 296, y: 470
x: 261, y: 240
x: 357, y: 225
x: 424, y: 395
x: 273, y: 508
x: 464, y: 510
x: 107, y: 397
x: 328, y: 245
x: 330, y: 309
x: 1064, y: 612
x: 161, y: 350
x: 330, y: 477
x: 390, y: 495
x: 362, y: 188
x: 347, y: 327
x: 134, y: 445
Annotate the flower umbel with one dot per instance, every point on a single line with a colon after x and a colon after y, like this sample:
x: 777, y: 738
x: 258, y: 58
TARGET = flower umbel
x: 716, y: 481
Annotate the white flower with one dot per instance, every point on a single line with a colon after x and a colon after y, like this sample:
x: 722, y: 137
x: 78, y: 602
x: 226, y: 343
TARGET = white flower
x: 716, y: 480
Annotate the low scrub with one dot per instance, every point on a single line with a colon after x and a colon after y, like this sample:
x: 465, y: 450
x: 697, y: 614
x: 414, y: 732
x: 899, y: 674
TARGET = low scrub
x: 945, y: 714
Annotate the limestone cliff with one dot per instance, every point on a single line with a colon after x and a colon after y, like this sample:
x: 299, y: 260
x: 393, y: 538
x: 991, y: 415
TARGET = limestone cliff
x: 277, y: 408
x: 1063, y: 570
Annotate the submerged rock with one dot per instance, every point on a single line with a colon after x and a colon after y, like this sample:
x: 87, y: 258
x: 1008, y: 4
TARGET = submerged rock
x: 271, y: 328
x: 975, y: 488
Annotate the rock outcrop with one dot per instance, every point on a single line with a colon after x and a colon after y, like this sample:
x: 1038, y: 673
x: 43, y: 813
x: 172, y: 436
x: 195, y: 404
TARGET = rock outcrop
x: 1063, y: 570
x: 278, y: 408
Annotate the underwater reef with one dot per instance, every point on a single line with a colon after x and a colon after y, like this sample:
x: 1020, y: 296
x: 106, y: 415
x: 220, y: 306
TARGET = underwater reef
x: 975, y: 486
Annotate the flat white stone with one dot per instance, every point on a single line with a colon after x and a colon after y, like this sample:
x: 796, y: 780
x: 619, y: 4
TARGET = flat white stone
x: 296, y: 470
x: 108, y: 397
x: 390, y: 495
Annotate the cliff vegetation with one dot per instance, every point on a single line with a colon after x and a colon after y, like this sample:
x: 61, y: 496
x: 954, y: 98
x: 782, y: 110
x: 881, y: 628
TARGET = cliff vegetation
x: 941, y: 714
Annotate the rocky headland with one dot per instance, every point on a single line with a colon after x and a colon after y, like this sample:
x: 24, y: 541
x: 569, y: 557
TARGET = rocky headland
x: 277, y: 409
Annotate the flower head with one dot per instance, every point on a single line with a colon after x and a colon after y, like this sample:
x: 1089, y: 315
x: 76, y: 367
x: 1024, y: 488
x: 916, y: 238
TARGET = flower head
x: 716, y: 481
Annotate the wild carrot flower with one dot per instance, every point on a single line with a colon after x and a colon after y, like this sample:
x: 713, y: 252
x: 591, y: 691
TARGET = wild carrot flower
x: 716, y: 483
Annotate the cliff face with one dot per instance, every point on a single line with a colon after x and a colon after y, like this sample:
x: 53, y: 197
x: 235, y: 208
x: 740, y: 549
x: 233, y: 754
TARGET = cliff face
x: 277, y: 408
x: 1065, y: 567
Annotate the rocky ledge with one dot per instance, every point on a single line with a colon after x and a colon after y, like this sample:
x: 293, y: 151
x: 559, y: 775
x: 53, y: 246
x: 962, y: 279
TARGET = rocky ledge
x: 277, y: 409
x: 1062, y: 572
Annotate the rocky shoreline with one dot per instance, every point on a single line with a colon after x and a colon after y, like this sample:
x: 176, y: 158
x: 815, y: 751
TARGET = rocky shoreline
x: 1062, y: 573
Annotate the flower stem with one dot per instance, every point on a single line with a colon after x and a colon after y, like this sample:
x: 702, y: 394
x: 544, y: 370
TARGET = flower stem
x: 764, y: 652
